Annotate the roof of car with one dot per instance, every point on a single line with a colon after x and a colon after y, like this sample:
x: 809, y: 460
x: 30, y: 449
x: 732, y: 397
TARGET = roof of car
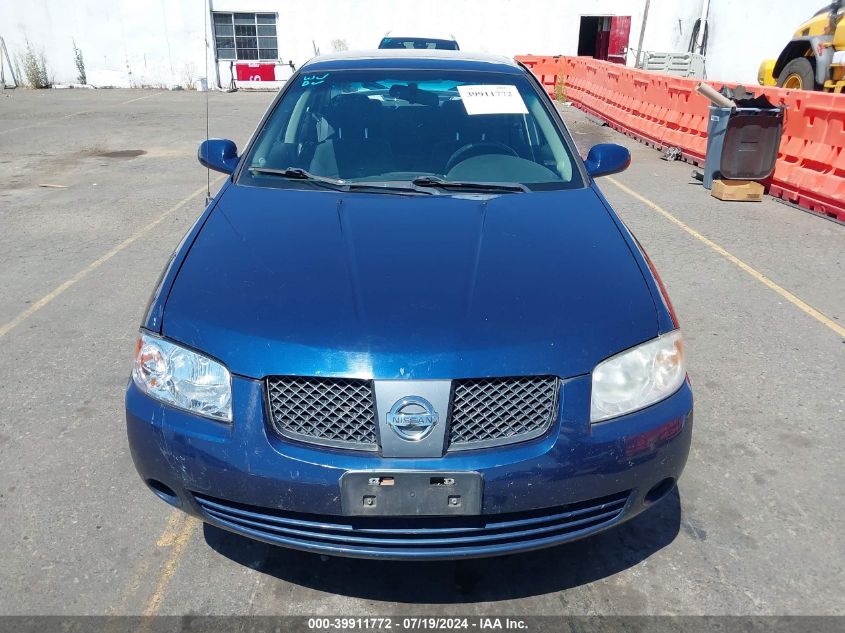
x: 445, y: 38
x: 412, y: 58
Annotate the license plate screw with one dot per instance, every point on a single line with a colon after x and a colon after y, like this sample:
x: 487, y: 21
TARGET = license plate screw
x: 454, y: 501
x: 369, y: 500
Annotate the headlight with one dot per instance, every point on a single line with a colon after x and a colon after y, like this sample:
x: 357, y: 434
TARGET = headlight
x: 182, y: 378
x: 638, y: 377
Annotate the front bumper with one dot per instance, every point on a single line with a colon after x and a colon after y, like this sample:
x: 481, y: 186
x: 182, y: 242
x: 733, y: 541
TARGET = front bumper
x: 576, y: 480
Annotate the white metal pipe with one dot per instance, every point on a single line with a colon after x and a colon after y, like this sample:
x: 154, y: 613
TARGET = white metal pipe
x: 699, y: 40
x: 705, y: 10
x: 642, y: 35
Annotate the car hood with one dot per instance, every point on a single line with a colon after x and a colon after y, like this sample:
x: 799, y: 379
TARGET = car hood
x: 302, y: 282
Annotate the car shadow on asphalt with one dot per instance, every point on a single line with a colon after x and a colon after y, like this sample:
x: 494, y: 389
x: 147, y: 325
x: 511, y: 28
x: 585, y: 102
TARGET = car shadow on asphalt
x: 475, y: 580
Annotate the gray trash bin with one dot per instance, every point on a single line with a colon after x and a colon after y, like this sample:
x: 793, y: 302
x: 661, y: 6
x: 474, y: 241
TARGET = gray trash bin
x: 742, y: 142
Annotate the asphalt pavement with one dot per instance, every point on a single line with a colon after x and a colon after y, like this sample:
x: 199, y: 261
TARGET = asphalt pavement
x: 98, y: 187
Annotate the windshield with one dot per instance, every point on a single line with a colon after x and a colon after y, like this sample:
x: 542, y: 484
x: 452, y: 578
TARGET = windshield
x: 418, y: 42
x: 403, y: 125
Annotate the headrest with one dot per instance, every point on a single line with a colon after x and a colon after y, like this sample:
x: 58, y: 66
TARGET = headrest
x: 352, y: 114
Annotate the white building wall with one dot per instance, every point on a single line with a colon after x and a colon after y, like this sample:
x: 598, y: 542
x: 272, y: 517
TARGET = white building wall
x: 127, y: 43
x: 745, y: 32
x: 161, y: 42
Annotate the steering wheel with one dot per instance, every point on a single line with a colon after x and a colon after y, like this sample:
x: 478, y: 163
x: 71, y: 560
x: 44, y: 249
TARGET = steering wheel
x: 477, y: 149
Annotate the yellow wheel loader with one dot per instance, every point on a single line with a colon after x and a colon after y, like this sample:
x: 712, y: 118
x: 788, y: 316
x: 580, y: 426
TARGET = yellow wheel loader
x: 815, y: 57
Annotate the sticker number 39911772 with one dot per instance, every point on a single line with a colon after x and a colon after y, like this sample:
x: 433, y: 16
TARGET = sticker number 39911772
x: 492, y: 99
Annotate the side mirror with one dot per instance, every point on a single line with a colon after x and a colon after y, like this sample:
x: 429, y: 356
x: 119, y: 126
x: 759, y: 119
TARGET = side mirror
x: 219, y: 154
x: 606, y: 159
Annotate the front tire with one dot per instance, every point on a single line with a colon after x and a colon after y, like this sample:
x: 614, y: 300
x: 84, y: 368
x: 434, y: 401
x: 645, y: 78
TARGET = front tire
x: 798, y: 74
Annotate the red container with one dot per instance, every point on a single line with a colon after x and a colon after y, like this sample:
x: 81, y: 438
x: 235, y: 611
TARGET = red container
x: 256, y: 72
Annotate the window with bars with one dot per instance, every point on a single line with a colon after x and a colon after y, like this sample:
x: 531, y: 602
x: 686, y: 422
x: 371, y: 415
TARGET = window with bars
x: 246, y: 36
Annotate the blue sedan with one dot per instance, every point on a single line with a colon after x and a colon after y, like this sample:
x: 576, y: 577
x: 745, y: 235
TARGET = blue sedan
x: 410, y: 326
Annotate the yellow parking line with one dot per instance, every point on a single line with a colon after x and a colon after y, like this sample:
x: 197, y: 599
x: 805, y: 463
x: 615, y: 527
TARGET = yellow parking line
x: 175, y: 522
x: 61, y: 288
x: 178, y: 544
x: 155, y: 94
x: 756, y: 274
x: 172, y: 530
x: 72, y: 114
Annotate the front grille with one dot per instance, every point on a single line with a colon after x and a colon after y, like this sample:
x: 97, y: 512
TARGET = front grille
x: 494, y: 411
x: 341, y: 412
x: 330, y: 411
x: 433, y: 537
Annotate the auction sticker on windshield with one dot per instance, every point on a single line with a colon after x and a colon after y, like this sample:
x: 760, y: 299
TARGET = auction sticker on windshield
x: 490, y: 99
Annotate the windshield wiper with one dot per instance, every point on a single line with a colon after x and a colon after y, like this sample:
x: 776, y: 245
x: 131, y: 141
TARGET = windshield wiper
x: 457, y: 185
x: 296, y: 173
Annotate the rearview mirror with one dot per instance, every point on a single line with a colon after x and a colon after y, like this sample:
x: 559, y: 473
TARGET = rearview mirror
x: 607, y: 158
x: 219, y: 154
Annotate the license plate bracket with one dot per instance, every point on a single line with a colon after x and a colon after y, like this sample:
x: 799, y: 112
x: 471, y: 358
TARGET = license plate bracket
x: 410, y: 493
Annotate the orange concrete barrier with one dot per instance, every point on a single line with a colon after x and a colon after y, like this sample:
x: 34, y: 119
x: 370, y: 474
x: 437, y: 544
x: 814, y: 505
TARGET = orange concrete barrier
x: 546, y: 69
x: 811, y: 165
x: 665, y: 111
